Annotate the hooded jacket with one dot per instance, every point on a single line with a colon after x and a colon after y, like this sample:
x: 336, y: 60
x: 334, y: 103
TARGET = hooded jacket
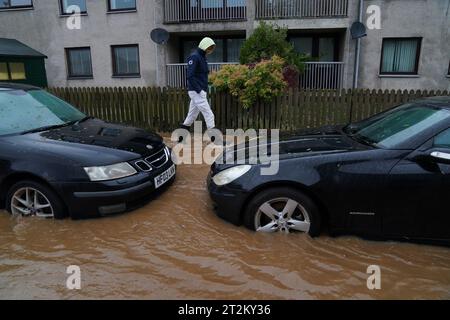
x: 197, y: 71
x: 197, y: 67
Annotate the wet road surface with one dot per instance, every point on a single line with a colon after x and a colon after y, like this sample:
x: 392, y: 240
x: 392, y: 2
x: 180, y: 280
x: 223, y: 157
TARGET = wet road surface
x: 175, y: 247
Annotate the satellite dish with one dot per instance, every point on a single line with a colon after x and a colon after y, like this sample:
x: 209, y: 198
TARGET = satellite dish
x: 358, y: 30
x: 160, y: 36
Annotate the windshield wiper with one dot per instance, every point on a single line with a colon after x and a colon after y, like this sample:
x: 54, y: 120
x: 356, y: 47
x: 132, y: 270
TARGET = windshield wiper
x: 75, y: 123
x: 363, y: 140
x: 46, y: 128
x: 350, y: 129
x: 57, y: 126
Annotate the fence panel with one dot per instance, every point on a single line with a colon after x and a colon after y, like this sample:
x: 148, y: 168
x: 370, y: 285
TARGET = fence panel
x: 163, y: 109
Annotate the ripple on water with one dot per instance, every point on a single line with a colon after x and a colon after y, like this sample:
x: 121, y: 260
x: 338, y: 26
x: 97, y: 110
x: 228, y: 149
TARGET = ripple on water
x: 175, y: 247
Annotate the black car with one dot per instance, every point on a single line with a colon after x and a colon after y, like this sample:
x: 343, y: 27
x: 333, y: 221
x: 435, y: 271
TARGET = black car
x: 384, y: 177
x: 55, y: 161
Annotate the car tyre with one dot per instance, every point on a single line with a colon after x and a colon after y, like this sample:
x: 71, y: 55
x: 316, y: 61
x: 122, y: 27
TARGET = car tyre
x: 49, y: 205
x: 283, y: 209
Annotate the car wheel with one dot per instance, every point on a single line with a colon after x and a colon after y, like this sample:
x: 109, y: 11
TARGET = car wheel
x: 282, y: 210
x: 29, y: 198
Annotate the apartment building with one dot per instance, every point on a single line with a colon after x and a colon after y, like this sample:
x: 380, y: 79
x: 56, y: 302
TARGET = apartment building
x: 112, y: 47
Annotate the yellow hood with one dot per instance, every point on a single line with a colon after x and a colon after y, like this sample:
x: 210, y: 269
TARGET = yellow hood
x: 206, y: 43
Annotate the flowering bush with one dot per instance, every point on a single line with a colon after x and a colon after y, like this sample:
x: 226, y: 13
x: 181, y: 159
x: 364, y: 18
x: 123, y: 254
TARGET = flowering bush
x: 263, y: 80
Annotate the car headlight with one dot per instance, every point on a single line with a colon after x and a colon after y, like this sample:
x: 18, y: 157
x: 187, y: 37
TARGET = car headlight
x: 115, y: 171
x: 229, y: 175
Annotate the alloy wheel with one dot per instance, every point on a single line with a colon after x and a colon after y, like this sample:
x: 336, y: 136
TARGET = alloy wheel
x: 282, y: 215
x: 31, y: 202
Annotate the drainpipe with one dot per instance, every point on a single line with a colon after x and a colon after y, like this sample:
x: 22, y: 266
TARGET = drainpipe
x: 358, y: 48
x: 158, y: 84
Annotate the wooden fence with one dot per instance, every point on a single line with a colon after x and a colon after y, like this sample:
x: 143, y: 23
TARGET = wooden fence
x: 162, y: 109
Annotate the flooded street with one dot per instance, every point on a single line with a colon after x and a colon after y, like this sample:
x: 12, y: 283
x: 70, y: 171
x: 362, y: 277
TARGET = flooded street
x: 175, y: 247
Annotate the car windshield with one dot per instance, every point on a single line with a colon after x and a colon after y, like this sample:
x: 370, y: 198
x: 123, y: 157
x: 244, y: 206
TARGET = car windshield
x: 22, y: 111
x: 389, y: 129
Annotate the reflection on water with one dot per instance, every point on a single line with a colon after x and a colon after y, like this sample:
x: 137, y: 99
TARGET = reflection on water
x: 176, y: 247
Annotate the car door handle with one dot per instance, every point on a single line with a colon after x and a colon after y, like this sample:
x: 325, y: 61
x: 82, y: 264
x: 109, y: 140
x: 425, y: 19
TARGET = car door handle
x: 441, y: 156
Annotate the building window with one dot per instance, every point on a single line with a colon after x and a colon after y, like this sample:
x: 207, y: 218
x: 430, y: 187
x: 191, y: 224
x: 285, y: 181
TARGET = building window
x: 17, y: 71
x: 400, y: 55
x: 236, y: 3
x: 448, y: 72
x: 66, y: 4
x: 121, y: 5
x: 324, y: 47
x: 125, y: 61
x: 233, y: 50
x: 206, y: 4
x: 16, y: 4
x: 79, y: 62
x: 4, y: 73
x: 12, y: 71
x: 227, y: 49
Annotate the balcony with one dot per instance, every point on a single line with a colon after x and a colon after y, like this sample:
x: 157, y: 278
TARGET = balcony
x: 317, y: 75
x: 298, y: 9
x: 176, y: 73
x: 323, y: 75
x: 187, y: 11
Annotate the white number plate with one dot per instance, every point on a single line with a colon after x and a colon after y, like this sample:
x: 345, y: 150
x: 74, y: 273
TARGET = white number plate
x: 164, y: 177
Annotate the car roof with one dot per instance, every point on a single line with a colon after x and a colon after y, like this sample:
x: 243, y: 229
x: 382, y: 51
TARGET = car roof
x: 17, y: 86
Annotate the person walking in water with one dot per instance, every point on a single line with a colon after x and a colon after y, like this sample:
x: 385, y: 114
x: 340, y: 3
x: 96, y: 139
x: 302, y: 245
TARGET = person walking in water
x: 197, y: 82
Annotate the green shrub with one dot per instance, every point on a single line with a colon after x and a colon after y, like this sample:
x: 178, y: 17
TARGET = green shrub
x: 250, y: 83
x: 268, y: 40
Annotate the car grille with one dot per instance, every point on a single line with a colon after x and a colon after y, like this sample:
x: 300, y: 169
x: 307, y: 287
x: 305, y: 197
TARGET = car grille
x: 156, y: 161
x: 144, y: 166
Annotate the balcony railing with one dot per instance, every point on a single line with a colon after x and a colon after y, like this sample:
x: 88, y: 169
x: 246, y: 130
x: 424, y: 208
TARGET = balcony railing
x: 176, y: 73
x: 286, y: 9
x: 322, y: 75
x: 180, y: 11
x: 317, y: 75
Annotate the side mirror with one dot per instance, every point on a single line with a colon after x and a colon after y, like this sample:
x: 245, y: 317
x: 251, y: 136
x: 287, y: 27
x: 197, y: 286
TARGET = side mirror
x: 440, y: 157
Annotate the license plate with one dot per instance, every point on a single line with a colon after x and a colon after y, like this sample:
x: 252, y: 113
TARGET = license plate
x: 164, y: 177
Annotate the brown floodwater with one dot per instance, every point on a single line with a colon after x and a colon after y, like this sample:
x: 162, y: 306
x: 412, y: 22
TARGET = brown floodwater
x: 176, y: 248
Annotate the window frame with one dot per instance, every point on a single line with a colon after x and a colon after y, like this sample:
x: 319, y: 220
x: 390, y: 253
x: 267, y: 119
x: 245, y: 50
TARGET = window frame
x: 111, y: 10
x: 433, y: 141
x: 23, y: 7
x: 448, y: 72
x: 63, y: 13
x: 114, y: 65
x: 418, y: 52
x: 8, y: 69
x: 70, y: 76
x: 315, y: 56
x: 224, y: 38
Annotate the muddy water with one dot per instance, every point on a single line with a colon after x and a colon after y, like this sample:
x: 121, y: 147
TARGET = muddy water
x: 175, y: 247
